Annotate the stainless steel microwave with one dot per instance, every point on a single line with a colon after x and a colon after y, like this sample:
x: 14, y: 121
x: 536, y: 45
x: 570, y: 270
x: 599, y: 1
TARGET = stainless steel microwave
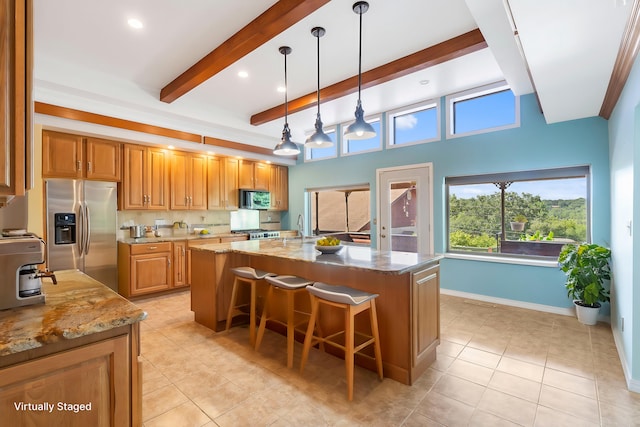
x: 252, y: 199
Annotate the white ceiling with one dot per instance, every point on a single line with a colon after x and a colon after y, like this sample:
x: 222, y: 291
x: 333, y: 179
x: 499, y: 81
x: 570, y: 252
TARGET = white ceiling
x: 87, y: 58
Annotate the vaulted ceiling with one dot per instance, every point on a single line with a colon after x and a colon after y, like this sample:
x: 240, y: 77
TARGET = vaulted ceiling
x: 180, y: 70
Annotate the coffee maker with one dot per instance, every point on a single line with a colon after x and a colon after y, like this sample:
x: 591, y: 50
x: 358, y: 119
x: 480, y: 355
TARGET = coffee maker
x: 20, y: 279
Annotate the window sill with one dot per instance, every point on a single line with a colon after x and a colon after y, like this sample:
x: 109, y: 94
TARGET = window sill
x: 504, y: 260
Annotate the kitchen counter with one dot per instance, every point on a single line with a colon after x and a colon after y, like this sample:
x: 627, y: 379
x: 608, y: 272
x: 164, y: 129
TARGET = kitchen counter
x: 77, y: 306
x: 407, y: 285
x: 361, y: 257
x: 177, y: 237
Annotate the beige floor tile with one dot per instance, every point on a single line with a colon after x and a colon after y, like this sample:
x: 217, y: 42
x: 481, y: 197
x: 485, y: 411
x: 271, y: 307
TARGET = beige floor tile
x: 442, y: 362
x: 481, y: 418
x: 583, y: 368
x: 520, y: 368
x: 508, y: 407
x: 160, y: 401
x: 185, y: 415
x: 547, y: 417
x: 449, y: 348
x: 617, y: 416
x: 527, y: 352
x: 226, y: 397
x: 416, y: 419
x: 571, y: 403
x: 446, y: 410
x: 516, y: 386
x: 459, y: 389
x: 470, y: 371
x: 569, y: 382
x: 480, y: 357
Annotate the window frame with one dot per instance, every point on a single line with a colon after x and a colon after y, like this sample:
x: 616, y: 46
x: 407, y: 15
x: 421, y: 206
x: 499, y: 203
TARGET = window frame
x: 343, y: 145
x: 478, y: 92
x: 516, y: 176
x: 327, y: 130
x: 420, y: 106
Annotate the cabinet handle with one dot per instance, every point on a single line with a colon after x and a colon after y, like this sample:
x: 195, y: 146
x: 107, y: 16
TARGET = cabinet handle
x: 383, y: 235
x: 88, y: 166
x: 152, y: 248
x: 183, y: 251
x: 169, y: 261
x: 78, y: 165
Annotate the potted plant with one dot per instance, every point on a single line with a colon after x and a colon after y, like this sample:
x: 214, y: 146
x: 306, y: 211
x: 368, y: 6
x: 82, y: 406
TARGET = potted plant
x: 587, y: 269
x: 518, y: 222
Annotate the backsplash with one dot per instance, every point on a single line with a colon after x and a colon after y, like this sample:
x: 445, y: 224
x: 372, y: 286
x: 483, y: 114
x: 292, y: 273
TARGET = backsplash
x: 216, y: 221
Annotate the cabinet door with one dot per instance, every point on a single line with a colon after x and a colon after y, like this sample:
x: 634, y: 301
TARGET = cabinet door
x: 179, y: 182
x: 283, y: 188
x: 215, y: 183
x: 198, y: 182
x: 261, y: 176
x: 103, y: 160
x: 426, y: 313
x: 96, y: 374
x: 16, y: 110
x: 231, y: 184
x: 150, y: 273
x: 134, y: 178
x: 180, y: 264
x: 62, y: 155
x: 157, y: 179
x: 245, y: 174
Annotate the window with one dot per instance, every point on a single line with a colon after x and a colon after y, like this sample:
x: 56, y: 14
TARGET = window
x: 311, y: 154
x: 530, y: 213
x: 481, y: 110
x: 341, y: 210
x: 353, y: 146
x: 414, y: 125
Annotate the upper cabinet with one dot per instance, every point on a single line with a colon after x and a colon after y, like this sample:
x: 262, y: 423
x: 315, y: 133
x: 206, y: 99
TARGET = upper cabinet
x: 222, y: 183
x: 73, y: 156
x: 188, y: 181
x: 16, y: 106
x: 145, y: 183
x: 253, y: 175
x: 279, y: 187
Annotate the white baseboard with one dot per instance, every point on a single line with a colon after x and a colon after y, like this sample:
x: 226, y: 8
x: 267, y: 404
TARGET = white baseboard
x: 519, y: 304
x: 632, y: 385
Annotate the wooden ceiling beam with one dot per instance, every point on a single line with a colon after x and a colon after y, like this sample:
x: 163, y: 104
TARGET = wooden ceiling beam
x: 269, y: 24
x: 450, y: 49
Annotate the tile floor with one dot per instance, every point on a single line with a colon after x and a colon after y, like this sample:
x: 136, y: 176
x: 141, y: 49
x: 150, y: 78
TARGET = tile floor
x: 496, y: 366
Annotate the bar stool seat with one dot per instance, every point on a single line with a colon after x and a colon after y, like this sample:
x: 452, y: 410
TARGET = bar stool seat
x: 353, y: 302
x: 290, y: 286
x: 249, y: 276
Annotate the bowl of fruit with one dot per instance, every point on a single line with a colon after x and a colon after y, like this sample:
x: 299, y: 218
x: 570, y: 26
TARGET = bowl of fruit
x: 328, y: 245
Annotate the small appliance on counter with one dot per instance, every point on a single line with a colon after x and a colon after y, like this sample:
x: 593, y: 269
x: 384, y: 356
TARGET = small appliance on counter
x: 20, y: 279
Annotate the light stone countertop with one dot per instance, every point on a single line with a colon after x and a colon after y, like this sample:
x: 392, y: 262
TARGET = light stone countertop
x: 363, y: 257
x: 77, y: 306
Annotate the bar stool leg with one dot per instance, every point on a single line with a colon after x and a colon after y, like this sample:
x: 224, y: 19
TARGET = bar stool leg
x: 252, y: 315
x: 376, y: 336
x: 309, y: 335
x: 290, y: 327
x: 348, y: 352
x: 232, y: 305
x: 263, y: 319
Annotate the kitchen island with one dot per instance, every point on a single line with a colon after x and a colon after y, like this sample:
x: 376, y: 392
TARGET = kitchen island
x: 73, y: 360
x: 407, y: 285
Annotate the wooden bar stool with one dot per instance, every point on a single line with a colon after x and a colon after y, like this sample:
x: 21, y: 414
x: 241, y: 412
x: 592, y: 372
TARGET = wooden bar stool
x: 249, y: 276
x: 290, y: 286
x: 352, y: 301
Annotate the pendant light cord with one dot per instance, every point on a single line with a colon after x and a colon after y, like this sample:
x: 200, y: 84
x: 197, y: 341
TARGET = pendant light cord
x: 360, y: 57
x: 286, y: 89
x: 318, y: 86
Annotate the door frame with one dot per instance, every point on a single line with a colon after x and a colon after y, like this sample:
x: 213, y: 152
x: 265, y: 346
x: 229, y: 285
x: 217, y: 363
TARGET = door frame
x: 426, y: 203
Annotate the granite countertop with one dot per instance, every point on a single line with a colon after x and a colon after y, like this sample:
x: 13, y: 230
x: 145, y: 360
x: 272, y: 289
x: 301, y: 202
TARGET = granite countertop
x: 77, y: 306
x: 363, y: 257
x: 177, y: 237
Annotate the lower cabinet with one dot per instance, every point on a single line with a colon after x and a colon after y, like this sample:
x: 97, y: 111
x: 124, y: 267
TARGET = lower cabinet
x: 425, y: 290
x: 180, y: 274
x: 144, y: 268
x: 82, y: 384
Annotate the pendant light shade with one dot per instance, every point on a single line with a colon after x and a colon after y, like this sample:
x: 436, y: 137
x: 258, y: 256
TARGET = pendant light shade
x: 360, y: 129
x: 286, y: 147
x: 318, y: 139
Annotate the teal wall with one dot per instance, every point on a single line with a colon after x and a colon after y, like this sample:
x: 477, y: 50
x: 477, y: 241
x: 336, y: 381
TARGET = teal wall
x: 534, y: 145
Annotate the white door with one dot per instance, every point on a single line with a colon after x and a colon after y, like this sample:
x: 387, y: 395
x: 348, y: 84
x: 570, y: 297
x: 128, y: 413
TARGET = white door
x: 405, y: 208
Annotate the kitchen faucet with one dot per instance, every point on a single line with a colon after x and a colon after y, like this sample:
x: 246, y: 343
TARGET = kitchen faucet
x: 301, y: 226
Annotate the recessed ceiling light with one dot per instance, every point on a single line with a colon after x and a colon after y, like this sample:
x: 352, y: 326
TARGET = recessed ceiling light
x: 424, y: 82
x: 171, y: 147
x: 243, y: 74
x: 281, y: 89
x: 135, y: 23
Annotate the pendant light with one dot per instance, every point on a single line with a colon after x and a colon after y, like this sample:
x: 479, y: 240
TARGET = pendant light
x: 360, y: 129
x: 286, y: 147
x: 318, y: 139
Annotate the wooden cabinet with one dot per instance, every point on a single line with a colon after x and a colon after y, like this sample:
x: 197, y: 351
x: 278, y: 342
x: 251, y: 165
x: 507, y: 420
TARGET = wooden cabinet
x: 73, y: 156
x: 222, y: 183
x: 188, y: 181
x: 96, y: 374
x: 144, y: 268
x: 180, y: 264
x: 279, y: 187
x: 16, y: 106
x: 425, y: 318
x: 146, y: 179
x: 253, y: 175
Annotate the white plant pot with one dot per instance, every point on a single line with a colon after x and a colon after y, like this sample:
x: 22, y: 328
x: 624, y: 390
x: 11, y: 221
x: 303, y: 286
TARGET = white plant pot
x: 587, y: 315
x: 517, y: 226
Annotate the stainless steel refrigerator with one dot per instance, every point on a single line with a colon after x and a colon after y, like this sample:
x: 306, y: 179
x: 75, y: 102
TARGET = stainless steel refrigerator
x: 81, y: 228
